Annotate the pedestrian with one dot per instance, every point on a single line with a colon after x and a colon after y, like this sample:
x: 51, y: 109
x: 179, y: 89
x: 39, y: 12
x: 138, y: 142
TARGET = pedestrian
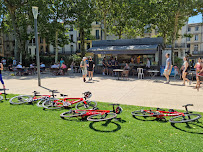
x: 91, y: 66
x: 199, y: 72
x: 148, y: 64
x: 1, y: 79
x: 3, y: 61
x: 104, y: 65
x: 61, y: 61
x: 83, y: 66
x: 167, y: 68
x: 185, y: 71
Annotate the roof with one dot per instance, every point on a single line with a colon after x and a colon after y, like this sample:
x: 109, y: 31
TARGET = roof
x: 131, y: 49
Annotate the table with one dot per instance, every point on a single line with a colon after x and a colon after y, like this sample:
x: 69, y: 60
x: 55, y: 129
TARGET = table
x: 153, y: 73
x: 118, y: 70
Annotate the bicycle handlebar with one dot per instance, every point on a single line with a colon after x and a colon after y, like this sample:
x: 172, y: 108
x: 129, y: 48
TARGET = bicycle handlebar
x: 187, y: 105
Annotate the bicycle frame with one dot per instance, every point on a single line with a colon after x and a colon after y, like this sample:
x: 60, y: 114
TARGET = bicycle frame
x: 92, y: 112
x: 74, y: 100
x: 160, y: 114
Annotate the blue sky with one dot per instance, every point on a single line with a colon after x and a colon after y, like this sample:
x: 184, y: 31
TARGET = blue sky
x: 196, y: 19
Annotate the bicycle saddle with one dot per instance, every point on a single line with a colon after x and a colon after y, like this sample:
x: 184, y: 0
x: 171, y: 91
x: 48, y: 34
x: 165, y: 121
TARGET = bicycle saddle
x: 187, y: 105
x: 35, y: 92
x: 63, y: 95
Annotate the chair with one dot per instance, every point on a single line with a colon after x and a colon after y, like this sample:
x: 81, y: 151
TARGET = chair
x: 140, y: 73
x: 125, y: 74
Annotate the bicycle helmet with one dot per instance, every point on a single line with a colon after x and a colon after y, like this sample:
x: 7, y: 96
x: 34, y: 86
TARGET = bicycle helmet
x: 119, y: 110
x: 87, y: 94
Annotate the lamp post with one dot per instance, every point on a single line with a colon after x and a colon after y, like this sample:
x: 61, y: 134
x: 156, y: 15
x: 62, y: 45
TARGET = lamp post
x: 35, y: 13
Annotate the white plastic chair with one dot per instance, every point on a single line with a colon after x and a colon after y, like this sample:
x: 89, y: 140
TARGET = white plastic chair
x: 140, y: 73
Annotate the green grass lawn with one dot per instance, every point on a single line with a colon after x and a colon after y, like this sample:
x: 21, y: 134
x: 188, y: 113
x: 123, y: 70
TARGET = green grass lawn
x: 29, y: 128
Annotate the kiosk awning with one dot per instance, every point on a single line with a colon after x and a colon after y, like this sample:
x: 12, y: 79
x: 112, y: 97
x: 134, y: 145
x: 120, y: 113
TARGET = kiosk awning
x: 132, y: 49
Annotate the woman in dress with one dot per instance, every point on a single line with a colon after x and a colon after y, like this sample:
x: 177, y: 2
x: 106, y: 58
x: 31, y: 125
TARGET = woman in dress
x: 185, y: 72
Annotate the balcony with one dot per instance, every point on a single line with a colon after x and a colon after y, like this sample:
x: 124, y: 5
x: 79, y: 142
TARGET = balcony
x: 197, y: 53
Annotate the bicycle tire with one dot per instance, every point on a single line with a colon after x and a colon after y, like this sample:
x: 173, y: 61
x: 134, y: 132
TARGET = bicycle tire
x: 141, y: 113
x: 71, y: 113
x: 20, y: 99
x: 99, y: 117
x: 82, y: 106
x: 184, y: 119
x: 51, y: 105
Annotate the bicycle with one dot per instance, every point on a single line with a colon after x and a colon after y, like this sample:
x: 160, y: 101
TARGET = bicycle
x: 21, y: 99
x: 4, y: 93
x: 67, y: 102
x: 94, y: 114
x: 177, y: 117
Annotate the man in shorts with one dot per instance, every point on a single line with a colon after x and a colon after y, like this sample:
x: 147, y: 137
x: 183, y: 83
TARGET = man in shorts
x: 83, y: 66
x: 167, y: 68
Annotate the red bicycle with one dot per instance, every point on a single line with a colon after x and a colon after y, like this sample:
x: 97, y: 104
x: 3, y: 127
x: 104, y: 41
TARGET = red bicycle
x: 30, y: 99
x: 177, y: 117
x: 94, y: 114
x: 82, y: 103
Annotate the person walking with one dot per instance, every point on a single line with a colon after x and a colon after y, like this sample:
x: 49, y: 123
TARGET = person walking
x: 91, y: 66
x: 1, y: 79
x: 199, y: 72
x: 167, y: 68
x: 83, y: 66
x: 185, y: 72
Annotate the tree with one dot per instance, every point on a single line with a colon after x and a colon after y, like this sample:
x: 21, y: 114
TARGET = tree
x: 83, y: 16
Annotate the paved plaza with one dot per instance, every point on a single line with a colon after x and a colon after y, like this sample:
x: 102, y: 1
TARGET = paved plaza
x: 108, y: 89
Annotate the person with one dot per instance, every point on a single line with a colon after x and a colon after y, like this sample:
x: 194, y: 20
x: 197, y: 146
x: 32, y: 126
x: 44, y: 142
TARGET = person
x: 126, y: 69
x: 104, y: 65
x: 62, y: 68
x: 1, y: 79
x: 199, y: 72
x: 185, y: 72
x: 19, y: 66
x: 3, y: 61
x: 72, y: 66
x: 32, y: 65
x: 167, y: 68
x: 14, y: 62
x: 148, y: 64
x: 42, y: 65
x: 55, y: 66
x: 110, y: 70
x: 83, y: 66
x: 91, y: 66
x: 20, y: 69
x: 10, y: 67
x: 61, y: 61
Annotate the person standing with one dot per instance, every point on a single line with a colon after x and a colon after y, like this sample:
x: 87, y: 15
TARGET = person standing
x: 199, y: 72
x: 148, y: 64
x: 104, y: 65
x: 167, y: 68
x: 61, y: 61
x: 1, y: 79
x: 83, y: 66
x: 91, y: 66
x: 185, y: 71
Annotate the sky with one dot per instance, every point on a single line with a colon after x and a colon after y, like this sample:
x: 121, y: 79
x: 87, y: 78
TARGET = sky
x: 195, y: 19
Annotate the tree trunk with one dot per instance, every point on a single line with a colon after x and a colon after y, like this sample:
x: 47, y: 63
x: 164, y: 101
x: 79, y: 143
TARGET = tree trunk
x: 56, y: 44
x: 105, y: 31
x: 174, y: 36
x: 82, y: 40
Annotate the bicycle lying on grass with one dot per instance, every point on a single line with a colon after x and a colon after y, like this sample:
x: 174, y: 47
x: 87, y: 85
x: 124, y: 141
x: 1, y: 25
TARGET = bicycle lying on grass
x: 30, y: 99
x: 94, y: 114
x: 177, y: 117
x: 67, y: 102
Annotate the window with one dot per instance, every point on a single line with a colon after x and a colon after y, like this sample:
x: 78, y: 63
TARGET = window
x: 196, y: 37
x: 88, y: 46
x: 97, y: 34
x: 189, y: 29
x: 197, y: 28
x: 188, y: 45
x: 71, y: 49
x: 196, y: 47
x: 33, y: 41
x: 71, y: 28
x: 188, y: 38
x: 97, y: 22
x: 176, y: 54
x: 71, y: 37
x: 79, y: 46
x: 41, y: 40
x: 29, y: 50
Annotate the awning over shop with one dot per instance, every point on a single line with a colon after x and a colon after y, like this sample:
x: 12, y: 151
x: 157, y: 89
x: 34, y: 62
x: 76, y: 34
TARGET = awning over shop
x: 131, y: 49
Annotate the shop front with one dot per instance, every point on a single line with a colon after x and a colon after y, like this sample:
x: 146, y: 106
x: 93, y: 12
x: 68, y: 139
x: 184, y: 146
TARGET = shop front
x: 135, y: 52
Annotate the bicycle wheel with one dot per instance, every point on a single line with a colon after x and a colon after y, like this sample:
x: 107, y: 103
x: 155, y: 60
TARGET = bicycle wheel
x: 72, y: 113
x: 52, y: 104
x: 101, y: 117
x: 20, y: 99
x: 39, y: 104
x: 83, y: 105
x: 141, y: 113
x: 186, y: 118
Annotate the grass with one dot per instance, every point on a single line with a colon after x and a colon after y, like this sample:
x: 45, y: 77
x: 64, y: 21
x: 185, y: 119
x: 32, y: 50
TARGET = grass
x: 29, y: 128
